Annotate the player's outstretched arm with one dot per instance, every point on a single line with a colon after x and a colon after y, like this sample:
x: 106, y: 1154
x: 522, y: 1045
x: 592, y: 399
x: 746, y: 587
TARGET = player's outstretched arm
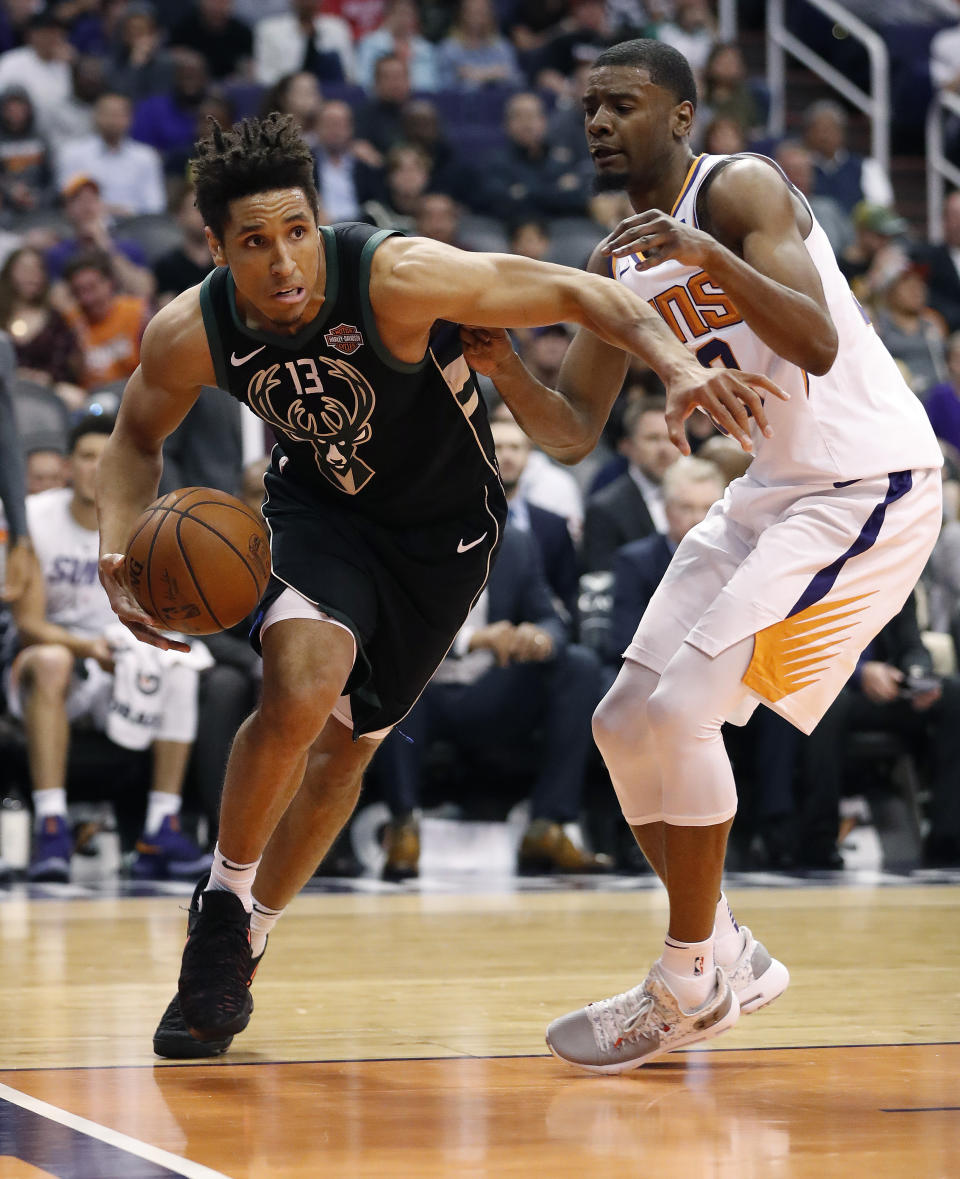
x: 566, y: 422
x: 174, y: 363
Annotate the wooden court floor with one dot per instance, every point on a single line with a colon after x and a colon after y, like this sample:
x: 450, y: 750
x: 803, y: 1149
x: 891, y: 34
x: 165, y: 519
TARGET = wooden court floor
x: 401, y: 1035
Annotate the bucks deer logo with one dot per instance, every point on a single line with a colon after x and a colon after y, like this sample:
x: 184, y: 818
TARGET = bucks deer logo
x: 335, y: 423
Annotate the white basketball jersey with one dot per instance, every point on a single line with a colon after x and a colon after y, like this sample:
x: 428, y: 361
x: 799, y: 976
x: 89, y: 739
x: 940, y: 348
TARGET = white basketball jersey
x: 859, y: 419
x: 68, y: 557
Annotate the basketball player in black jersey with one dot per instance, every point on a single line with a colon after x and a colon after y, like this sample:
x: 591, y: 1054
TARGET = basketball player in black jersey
x: 383, y: 499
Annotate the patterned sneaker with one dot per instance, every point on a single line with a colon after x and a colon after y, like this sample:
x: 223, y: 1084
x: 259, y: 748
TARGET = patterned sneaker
x: 52, y: 848
x: 638, y: 1026
x: 172, y: 1038
x: 756, y: 976
x: 169, y: 854
x: 215, y: 973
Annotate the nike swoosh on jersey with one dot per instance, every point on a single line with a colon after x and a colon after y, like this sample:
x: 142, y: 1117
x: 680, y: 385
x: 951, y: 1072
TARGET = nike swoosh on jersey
x: 236, y: 360
x: 463, y: 548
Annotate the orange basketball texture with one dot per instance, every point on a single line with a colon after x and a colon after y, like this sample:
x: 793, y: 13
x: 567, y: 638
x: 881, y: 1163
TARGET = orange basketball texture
x: 198, y: 560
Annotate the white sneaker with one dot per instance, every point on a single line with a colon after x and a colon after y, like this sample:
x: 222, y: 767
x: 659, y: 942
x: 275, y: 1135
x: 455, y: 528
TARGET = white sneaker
x: 756, y: 976
x: 638, y: 1026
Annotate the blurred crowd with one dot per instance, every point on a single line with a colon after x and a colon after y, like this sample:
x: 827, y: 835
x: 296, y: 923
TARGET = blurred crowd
x: 461, y: 122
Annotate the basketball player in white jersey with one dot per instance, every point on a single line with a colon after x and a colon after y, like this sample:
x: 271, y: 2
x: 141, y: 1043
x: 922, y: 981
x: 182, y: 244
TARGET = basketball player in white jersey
x: 773, y: 597
x: 64, y: 672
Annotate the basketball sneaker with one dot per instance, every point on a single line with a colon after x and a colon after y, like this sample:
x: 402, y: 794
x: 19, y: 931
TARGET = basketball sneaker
x: 636, y: 1027
x: 169, y: 854
x: 217, y: 966
x: 756, y: 976
x: 172, y: 1038
x: 52, y: 848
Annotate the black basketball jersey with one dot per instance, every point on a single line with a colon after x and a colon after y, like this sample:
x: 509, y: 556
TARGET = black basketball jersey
x: 359, y: 428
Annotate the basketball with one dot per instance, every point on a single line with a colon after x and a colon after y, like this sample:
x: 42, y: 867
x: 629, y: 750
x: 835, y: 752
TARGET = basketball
x: 198, y: 560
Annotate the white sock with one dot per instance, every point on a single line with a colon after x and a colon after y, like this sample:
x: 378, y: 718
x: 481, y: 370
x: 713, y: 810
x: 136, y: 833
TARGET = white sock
x: 49, y: 802
x: 160, y: 804
x: 262, y: 921
x: 229, y: 876
x: 727, y: 936
x: 690, y: 970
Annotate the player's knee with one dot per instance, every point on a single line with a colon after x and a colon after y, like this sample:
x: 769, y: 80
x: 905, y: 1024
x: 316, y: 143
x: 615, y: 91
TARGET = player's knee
x: 614, y: 731
x: 46, y: 669
x: 294, y: 715
x: 667, y: 718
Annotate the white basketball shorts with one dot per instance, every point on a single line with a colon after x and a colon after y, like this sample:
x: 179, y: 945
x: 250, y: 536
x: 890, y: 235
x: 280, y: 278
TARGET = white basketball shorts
x: 813, y: 573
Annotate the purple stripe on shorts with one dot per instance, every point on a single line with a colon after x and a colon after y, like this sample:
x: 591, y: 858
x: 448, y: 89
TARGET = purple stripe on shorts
x: 823, y: 581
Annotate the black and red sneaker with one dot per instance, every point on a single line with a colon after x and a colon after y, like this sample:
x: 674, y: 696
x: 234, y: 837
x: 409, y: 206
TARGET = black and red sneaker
x: 217, y: 966
x: 173, y: 1041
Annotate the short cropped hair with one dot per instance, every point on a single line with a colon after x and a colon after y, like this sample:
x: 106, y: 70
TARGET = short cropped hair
x: 640, y: 406
x: 90, y: 423
x: 92, y: 259
x: 686, y: 470
x: 255, y: 155
x: 667, y: 67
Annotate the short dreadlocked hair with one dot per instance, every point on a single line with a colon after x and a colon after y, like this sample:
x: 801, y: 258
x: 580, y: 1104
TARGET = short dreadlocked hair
x: 256, y: 155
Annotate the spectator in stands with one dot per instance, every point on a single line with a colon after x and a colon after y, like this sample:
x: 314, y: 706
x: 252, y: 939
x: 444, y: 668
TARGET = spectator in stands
x: 26, y: 175
x: 575, y: 42
x: 529, y: 178
x: 90, y: 222
x: 108, y: 324
x: 690, y: 488
x: 512, y: 673
x: 189, y: 263
x: 168, y: 121
x: 438, y: 216
x: 406, y: 174
x: 725, y: 91
x: 558, y: 557
x: 42, y: 65
x: 73, y: 118
x: 379, y: 119
x: 943, y: 261
x: 46, y: 346
x: 544, y: 482
x: 692, y: 31
x: 942, y: 402
x: 565, y: 125
x: 213, y: 30
x: 450, y: 172
x: 877, y: 250
x: 530, y: 238
x: 723, y: 136
x: 399, y: 36
x: 839, y: 173
x: 306, y: 38
x: 345, y: 179
x: 894, y: 690
x: 142, y: 66
x: 797, y: 166
x: 129, y: 174
x: 913, y: 333
x: 63, y: 620
x: 533, y: 22
x: 363, y: 16
x: 19, y: 554
x: 47, y: 468
x: 631, y: 507
x: 298, y: 95
x: 474, y: 52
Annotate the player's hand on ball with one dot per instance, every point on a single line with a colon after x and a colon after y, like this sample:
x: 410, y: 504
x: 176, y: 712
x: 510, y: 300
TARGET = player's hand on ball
x: 128, y: 610
x: 486, y: 350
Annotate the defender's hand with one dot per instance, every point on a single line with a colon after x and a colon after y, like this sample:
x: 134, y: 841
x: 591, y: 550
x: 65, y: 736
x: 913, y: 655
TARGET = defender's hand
x: 657, y: 236
x: 486, y: 350
x: 128, y: 610
x: 729, y: 396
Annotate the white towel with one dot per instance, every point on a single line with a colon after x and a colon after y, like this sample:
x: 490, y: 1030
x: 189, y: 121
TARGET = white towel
x: 136, y: 707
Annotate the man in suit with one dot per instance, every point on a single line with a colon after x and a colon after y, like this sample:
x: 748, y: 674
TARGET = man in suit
x: 943, y: 263
x: 892, y: 689
x: 631, y: 507
x: 511, y: 679
x: 557, y: 554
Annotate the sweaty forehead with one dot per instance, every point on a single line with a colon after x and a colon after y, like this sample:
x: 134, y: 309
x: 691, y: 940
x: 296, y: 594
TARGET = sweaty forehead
x: 620, y: 79
x: 274, y: 204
